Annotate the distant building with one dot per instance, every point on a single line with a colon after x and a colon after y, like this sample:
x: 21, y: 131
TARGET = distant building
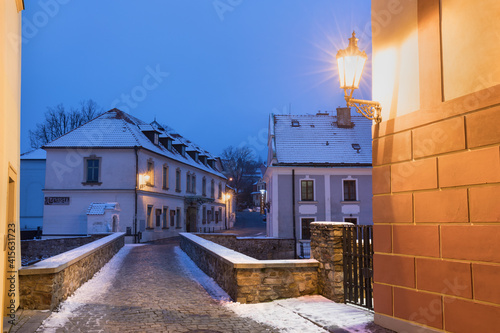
x: 258, y: 192
x: 119, y: 173
x: 31, y: 190
x: 319, y: 169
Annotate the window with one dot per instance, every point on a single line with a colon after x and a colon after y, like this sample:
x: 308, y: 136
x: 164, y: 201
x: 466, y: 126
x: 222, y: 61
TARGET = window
x: 158, y: 218
x: 149, y: 217
x: 306, y: 228
x: 178, y: 220
x: 172, y: 218
x: 193, y: 184
x: 188, y: 182
x: 165, y: 177
x: 209, y: 216
x: 220, y: 214
x: 220, y: 190
x: 353, y: 220
x: 151, y: 172
x: 307, y: 190
x: 204, y: 186
x: 212, y: 189
x: 92, y: 169
x: 350, y: 190
x: 217, y: 217
x: 204, y: 216
x: 212, y: 213
x: 178, y: 180
x: 165, y: 217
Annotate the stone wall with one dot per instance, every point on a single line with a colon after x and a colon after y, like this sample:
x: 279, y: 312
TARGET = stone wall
x: 256, y: 247
x: 49, y: 282
x: 327, y: 248
x: 35, y: 249
x: 248, y: 280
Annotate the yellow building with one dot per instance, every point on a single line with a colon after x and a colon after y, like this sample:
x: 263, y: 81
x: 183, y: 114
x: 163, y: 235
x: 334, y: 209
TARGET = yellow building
x: 10, y: 102
x: 436, y: 165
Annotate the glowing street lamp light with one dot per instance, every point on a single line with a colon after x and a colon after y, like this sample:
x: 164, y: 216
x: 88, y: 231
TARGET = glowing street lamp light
x: 351, y: 62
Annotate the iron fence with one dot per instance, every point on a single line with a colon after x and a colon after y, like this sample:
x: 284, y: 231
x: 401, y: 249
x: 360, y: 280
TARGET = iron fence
x: 358, y: 265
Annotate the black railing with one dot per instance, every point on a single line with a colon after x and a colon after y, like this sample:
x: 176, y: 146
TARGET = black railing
x: 358, y: 265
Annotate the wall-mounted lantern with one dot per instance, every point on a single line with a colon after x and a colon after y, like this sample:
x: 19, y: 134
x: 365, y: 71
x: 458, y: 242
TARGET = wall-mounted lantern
x: 351, y: 62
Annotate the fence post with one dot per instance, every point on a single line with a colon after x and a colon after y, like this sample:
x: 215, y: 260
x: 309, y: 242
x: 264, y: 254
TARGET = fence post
x: 327, y: 248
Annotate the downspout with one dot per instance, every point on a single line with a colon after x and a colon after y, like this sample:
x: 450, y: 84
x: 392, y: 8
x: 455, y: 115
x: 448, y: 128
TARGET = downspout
x: 293, y: 215
x: 136, y: 149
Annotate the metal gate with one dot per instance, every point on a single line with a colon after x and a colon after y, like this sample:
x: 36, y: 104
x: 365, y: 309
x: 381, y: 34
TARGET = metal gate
x: 358, y: 265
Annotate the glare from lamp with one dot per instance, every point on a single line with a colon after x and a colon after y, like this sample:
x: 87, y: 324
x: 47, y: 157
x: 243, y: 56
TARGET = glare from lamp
x: 147, y: 178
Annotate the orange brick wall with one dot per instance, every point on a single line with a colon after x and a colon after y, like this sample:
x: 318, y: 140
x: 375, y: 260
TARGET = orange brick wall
x: 437, y: 225
x: 436, y: 204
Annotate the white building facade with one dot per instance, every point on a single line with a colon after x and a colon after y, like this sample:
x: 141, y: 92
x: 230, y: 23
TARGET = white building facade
x: 31, y: 189
x: 162, y: 183
x: 319, y: 169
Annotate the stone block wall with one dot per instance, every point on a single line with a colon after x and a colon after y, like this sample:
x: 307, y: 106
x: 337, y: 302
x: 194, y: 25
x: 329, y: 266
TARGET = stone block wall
x: 327, y: 248
x: 258, y: 248
x: 248, y: 280
x: 43, y: 287
x: 34, y: 249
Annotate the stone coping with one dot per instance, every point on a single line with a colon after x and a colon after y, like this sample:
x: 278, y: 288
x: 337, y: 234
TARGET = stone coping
x: 242, y: 237
x: 61, y: 261
x: 239, y: 260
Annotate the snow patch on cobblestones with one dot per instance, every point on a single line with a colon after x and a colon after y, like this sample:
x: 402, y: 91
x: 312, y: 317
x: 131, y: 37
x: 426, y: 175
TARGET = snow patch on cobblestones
x: 89, y: 292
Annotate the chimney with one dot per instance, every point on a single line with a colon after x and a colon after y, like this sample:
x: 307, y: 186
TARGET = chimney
x: 344, y: 118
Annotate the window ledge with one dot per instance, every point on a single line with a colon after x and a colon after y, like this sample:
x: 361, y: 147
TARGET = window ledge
x: 350, y: 202
x: 178, y: 227
x: 165, y: 228
x: 91, y: 183
x: 308, y: 202
x: 148, y: 228
x: 165, y: 188
x: 178, y: 191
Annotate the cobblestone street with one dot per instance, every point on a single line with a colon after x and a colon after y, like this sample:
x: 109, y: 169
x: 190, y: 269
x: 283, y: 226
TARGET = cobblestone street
x: 152, y: 293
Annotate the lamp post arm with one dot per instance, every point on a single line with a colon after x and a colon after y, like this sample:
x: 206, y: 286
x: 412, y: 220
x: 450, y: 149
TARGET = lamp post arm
x: 369, y: 109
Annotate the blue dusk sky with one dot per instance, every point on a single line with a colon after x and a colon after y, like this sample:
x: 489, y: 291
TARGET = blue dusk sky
x: 213, y: 70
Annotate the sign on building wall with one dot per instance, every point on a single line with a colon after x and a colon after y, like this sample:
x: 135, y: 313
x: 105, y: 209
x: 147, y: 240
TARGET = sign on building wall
x: 56, y: 200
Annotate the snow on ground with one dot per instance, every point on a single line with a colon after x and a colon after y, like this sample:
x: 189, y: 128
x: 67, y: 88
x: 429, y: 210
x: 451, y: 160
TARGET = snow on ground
x: 303, y: 314
x: 88, y: 292
x: 196, y: 274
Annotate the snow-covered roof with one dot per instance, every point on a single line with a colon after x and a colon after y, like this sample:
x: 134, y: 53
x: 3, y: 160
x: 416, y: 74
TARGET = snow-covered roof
x: 98, y: 208
x: 316, y: 139
x: 117, y: 129
x: 37, y: 154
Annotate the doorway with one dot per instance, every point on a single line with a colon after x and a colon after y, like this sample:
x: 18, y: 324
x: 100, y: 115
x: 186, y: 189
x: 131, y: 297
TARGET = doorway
x: 191, y: 218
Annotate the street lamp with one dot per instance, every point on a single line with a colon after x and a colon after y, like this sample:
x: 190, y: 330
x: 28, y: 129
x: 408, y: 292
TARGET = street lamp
x: 351, y: 62
x: 262, y: 201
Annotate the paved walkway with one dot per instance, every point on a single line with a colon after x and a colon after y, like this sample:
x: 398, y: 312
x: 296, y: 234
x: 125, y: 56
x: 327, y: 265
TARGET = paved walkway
x: 151, y: 293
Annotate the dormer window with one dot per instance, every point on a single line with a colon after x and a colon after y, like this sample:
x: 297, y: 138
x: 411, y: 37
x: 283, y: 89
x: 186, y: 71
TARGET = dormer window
x: 156, y: 139
x: 295, y: 123
x: 356, y: 147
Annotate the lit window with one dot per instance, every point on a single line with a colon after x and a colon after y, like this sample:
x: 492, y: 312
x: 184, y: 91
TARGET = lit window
x: 307, y: 190
x: 151, y: 173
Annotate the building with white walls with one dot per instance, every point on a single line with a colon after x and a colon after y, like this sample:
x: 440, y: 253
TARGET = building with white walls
x: 159, y: 182
x: 31, y: 189
x: 319, y: 169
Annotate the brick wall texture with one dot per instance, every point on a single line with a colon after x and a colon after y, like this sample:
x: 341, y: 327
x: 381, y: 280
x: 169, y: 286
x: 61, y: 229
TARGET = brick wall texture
x: 436, y: 212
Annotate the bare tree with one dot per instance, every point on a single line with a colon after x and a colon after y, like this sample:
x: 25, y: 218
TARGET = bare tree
x: 58, y: 122
x: 240, y: 167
